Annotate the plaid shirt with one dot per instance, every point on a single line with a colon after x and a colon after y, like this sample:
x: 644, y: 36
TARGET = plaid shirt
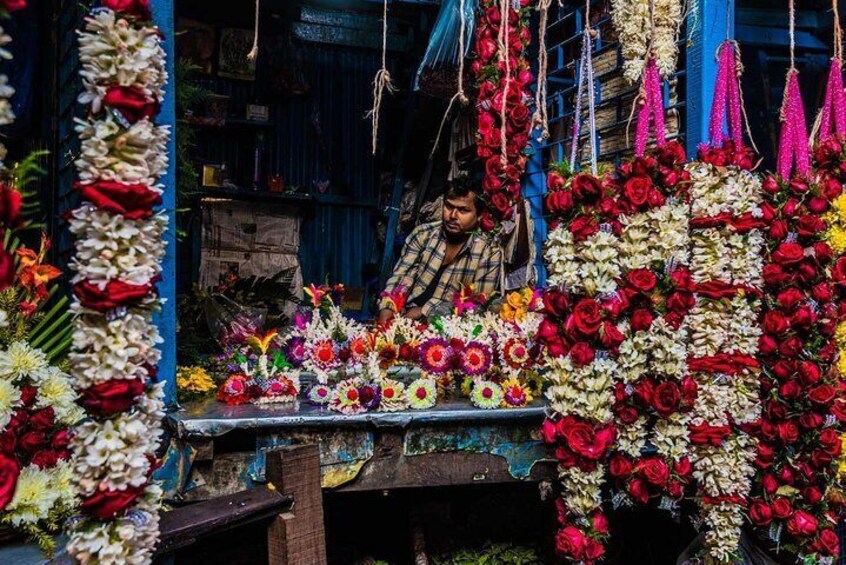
x: 478, y: 262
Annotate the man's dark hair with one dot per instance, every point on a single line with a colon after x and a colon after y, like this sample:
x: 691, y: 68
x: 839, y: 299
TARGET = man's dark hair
x: 462, y: 187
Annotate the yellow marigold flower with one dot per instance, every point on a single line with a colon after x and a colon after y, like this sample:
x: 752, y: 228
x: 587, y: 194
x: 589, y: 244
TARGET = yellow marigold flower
x: 841, y: 362
x: 841, y: 464
x: 840, y: 334
x: 837, y: 238
x: 839, y: 206
x: 194, y: 379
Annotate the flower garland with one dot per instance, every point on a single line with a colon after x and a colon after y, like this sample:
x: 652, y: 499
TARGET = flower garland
x: 654, y: 393
x: 119, y: 249
x: 727, y: 275
x: 640, y: 32
x: 504, y: 119
x: 803, y: 400
x: 581, y: 334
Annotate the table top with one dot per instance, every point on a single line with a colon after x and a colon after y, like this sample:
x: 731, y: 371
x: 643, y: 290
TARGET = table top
x: 210, y: 418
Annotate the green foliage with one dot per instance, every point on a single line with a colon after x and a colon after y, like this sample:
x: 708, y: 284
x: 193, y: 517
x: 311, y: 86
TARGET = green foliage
x: 24, y: 173
x: 491, y: 554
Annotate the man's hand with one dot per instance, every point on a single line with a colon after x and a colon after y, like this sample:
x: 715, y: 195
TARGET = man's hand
x: 386, y: 315
x: 414, y: 314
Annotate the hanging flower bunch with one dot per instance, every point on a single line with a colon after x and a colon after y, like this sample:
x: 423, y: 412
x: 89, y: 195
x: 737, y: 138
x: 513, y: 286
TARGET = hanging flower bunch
x: 726, y: 268
x: 654, y: 393
x: 637, y: 28
x: 581, y: 334
x: 504, y: 120
x: 802, y: 397
x: 119, y: 249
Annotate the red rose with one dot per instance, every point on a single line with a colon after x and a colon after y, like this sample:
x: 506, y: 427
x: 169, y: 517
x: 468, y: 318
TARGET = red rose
x: 830, y: 442
x: 111, y: 397
x: 591, y: 444
x: 594, y: 551
x: 138, y: 8
x: 822, y: 394
x: 760, y: 513
x: 620, y: 466
x: 672, y: 154
x: 9, y: 472
x: 45, y: 459
x: 130, y: 102
x: 570, y: 543
x: 789, y: 298
x: 791, y: 208
x: 583, y: 227
x: 769, y: 483
x: 636, y: 190
x: 556, y: 303
x: 682, y: 279
x: 643, y: 280
x: 683, y: 467
x: 500, y: 202
x: 586, y: 318
x: 828, y: 542
x: 644, y: 391
x: 770, y: 185
x: 28, y: 394
x: 486, y: 221
x: 778, y: 230
x: 788, y: 254
x: 548, y: 432
x: 810, y: 421
x: 639, y: 491
x: 599, y: 522
x: 626, y: 414
x: 799, y: 186
x: 586, y: 187
x: 823, y: 253
x: 610, y: 336
x: 10, y: 206
x: 775, y: 323
x: 831, y: 188
x: 802, y: 524
x: 560, y: 202
x: 117, y: 293
x: 809, y: 373
x: 812, y: 494
x: 43, y: 419
x: 690, y: 390
x: 790, y: 390
x: 788, y: 432
x: 107, y: 504
x: 791, y: 347
x: 641, y: 320
x: 774, y: 275
x: 655, y: 471
x: 822, y: 292
x: 781, y: 508
x: 680, y: 301
x: 61, y: 440
x: 667, y: 398
x: 33, y: 441
x: 582, y: 354
x: 818, y: 205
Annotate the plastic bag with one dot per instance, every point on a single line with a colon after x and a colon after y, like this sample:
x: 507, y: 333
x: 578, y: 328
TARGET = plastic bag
x: 437, y: 74
x: 230, y: 323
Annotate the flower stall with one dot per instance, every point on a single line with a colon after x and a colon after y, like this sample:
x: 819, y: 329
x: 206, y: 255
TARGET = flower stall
x: 320, y: 281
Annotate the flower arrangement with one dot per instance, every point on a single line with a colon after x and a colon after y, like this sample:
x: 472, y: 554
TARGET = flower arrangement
x: 654, y: 394
x: 581, y: 334
x: 193, y: 382
x: 797, y: 458
x: 503, y: 78
x: 119, y: 249
x: 726, y: 271
x: 640, y: 31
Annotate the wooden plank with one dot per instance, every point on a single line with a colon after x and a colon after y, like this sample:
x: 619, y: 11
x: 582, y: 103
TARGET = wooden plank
x: 300, y: 539
x: 184, y: 526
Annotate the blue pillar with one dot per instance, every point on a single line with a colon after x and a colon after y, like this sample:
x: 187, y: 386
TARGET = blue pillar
x: 166, y: 319
x: 712, y: 22
x: 534, y: 189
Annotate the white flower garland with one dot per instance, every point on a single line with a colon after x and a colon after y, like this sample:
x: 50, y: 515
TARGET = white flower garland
x: 589, y: 266
x: 727, y: 327
x: 631, y: 20
x: 115, y: 450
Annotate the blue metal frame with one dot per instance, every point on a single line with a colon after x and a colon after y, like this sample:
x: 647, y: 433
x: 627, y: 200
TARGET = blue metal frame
x: 711, y: 23
x: 166, y: 319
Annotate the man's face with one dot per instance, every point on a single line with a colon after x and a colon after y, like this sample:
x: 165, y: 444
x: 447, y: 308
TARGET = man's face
x: 460, y: 214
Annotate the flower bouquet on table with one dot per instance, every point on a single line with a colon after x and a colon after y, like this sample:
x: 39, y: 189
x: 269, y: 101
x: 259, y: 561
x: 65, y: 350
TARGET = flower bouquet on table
x: 193, y: 383
x: 264, y: 378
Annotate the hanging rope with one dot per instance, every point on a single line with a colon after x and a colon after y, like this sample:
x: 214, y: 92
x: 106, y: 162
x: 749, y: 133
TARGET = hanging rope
x: 504, y: 50
x: 831, y: 119
x: 381, y: 82
x: 586, y: 83
x: 253, y: 54
x: 793, y: 151
x: 459, y: 95
x: 540, y: 119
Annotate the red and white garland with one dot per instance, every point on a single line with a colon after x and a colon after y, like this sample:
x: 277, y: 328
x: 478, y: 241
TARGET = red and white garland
x: 119, y: 249
x: 726, y: 269
x: 654, y: 393
x: 504, y: 119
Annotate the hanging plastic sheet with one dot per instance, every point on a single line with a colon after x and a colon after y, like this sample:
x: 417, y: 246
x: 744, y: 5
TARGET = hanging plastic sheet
x: 436, y: 75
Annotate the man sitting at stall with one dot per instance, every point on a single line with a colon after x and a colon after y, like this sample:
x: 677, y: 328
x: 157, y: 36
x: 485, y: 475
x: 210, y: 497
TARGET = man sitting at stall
x: 439, y: 257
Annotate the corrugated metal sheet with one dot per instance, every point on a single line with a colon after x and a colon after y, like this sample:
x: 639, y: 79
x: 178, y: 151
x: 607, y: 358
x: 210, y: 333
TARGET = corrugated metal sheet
x: 321, y: 136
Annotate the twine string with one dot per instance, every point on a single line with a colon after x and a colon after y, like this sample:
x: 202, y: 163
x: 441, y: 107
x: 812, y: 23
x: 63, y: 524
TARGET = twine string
x: 540, y: 119
x: 459, y: 95
x: 253, y: 54
x: 381, y: 82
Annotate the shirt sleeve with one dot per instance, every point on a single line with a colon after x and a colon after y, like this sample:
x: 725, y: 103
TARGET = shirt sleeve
x: 489, y: 273
x: 402, y: 275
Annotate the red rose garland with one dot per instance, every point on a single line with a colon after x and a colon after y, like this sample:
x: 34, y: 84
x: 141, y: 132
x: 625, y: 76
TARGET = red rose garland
x: 653, y: 392
x: 119, y: 249
x: 799, y: 444
x: 581, y: 335
x: 504, y: 118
